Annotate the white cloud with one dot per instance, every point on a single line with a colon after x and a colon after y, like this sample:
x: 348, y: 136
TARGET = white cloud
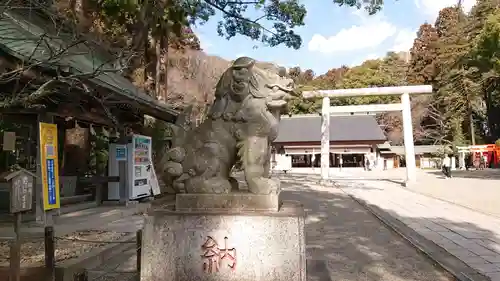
x: 371, y: 32
x: 204, y: 42
x: 404, y: 40
x: 432, y: 7
x: 361, y: 59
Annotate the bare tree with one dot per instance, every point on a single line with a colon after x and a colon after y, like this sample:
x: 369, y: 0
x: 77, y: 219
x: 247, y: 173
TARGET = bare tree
x: 439, y: 130
x: 192, y: 76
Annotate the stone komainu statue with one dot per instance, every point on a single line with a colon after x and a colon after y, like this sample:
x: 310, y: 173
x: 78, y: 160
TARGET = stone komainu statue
x: 241, y: 124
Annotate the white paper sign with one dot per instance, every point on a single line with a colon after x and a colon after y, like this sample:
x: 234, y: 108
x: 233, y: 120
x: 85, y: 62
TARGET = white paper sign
x: 155, y: 186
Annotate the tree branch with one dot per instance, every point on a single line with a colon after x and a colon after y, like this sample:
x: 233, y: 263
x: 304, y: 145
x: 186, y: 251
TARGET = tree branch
x: 233, y: 15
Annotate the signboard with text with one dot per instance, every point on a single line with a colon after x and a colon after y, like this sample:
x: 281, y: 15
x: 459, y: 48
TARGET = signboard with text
x: 21, y: 194
x: 49, y: 165
x: 121, y: 152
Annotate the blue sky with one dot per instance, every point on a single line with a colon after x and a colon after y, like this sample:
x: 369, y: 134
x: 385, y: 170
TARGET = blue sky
x: 335, y: 36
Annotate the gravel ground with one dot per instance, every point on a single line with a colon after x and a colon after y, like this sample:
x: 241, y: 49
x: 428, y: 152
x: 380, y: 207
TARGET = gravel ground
x: 347, y: 243
x: 67, y: 247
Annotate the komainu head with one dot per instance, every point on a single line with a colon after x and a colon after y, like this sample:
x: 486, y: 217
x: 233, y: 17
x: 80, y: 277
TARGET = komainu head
x: 246, y: 77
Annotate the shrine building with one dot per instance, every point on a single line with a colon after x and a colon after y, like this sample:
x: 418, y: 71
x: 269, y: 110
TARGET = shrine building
x: 352, y: 138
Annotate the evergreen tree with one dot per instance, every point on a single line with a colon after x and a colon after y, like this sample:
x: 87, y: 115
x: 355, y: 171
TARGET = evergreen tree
x: 422, y: 68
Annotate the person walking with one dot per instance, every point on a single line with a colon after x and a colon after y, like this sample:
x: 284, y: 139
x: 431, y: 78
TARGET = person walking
x: 485, y: 161
x: 447, y: 167
x: 468, y: 160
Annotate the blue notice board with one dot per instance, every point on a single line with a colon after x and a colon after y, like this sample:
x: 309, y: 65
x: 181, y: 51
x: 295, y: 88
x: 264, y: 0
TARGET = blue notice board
x: 121, y: 153
x: 51, y: 182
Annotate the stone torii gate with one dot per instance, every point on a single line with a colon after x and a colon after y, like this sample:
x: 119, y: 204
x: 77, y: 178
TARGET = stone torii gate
x: 404, y: 106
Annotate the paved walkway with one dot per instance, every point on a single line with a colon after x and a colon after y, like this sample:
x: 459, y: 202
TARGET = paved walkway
x: 472, y: 236
x: 346, y: 243
x: 478, y: 190
x: 483, y: 197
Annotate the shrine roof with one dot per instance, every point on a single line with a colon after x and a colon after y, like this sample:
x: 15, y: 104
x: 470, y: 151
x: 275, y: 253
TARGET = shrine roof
x: 307, y: 128
x: 28, y: 36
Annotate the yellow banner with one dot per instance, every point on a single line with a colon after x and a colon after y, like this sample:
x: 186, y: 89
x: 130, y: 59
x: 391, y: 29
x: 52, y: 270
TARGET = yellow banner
x: 49, y: 165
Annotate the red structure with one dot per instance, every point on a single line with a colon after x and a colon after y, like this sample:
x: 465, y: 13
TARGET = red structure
x: 490, y: 151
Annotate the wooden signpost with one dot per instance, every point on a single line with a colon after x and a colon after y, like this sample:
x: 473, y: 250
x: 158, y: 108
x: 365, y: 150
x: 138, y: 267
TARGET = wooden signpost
x: 21, y: 200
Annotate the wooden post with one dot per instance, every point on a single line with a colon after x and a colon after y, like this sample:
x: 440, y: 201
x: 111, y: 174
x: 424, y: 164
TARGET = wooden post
x: 123, y: 172
x: 50, y: 259
x: 138, y: 239
x: 39, y: 213
x: 99, y: 189
x: 21, y: 199
x: 15, y: 250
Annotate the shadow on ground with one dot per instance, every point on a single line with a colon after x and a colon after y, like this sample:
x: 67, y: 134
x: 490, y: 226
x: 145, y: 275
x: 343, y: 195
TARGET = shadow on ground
x: 346, y: 242
x: 397, y: 181
x: 374, y: 176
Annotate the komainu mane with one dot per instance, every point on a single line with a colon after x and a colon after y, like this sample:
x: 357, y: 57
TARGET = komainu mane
x: 242, y: 123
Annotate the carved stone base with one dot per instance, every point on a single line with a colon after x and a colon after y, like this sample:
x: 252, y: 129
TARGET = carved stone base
x: 236, y: 201
x: 225, y: 245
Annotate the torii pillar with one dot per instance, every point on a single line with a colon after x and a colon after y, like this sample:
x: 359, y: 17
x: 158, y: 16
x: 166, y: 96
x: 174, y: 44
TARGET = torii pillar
x: 404, y: 106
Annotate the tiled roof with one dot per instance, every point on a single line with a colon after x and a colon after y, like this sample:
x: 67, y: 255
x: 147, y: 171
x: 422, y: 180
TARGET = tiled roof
x: 20, y: 36
x: 307, y: 128
x: 420, y: 149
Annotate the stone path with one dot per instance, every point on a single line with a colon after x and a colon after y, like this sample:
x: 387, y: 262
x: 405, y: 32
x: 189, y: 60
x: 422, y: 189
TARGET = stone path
x: 483, y: 197
x: 477, y: 190
x: 471, y: 236
x: 346, y: 243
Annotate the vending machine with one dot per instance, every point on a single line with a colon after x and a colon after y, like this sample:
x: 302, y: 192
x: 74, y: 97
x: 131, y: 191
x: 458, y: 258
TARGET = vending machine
x: 117, y: 155
x: 139, y: 166
x: 133, y: 161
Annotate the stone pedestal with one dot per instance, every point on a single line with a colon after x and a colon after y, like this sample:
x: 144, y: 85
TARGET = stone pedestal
x: 224, y: 244
x: 237, y: 201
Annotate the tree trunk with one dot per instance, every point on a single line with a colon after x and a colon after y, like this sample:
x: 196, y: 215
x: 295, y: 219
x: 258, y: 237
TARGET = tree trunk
x: 165, y: 96
x: 147, y: 59
x: 79, y: 9
x: 157, y: 44
x: 145, y: 42
x: 471, y: 126
x: 141, y: 28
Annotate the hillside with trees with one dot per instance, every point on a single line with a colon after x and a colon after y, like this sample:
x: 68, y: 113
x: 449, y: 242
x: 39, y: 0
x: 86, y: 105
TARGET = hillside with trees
x: 458, y: 55
x: 163, y: 55
x: 150, y: 42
